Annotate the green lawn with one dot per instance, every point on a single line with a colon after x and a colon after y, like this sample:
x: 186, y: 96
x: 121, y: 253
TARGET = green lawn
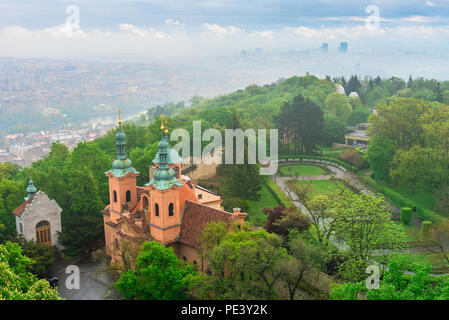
x: 300, y: 170
x: 319, y: 186
x: 255, y: 212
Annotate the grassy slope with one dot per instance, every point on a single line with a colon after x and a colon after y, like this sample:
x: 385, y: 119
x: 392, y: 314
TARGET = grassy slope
x: 255, y: 212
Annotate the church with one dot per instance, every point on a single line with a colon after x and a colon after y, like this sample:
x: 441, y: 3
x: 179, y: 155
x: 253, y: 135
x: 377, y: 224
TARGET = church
x: 38, y: 218
x: 171, y: 208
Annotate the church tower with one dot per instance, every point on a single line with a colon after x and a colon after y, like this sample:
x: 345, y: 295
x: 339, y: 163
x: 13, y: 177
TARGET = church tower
x: 122, y: 178
x: 165, y: 211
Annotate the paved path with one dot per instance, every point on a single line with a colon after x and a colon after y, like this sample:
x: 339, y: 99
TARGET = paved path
x: 95, y: 280
x: 336, y: 172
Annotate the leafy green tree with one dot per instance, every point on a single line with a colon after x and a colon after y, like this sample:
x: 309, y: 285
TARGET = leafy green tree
x: 142, y: 159
x: 16, y: 283
x: 338, y: 105
x: 303, y: 259
x: 41, y: 254
x: 363, y: 221
x: 358, y: 115
x: 246, y: 265
x: 333, y: 130
x: 418, y: 168
x: 81, y: 233
x: 403, y: 280
x: 159, y: 275
x: 380, y: 155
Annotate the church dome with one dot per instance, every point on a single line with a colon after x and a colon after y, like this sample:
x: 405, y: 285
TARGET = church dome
x: 121, y: 164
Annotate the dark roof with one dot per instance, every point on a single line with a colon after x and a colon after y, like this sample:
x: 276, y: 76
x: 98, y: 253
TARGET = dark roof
x: 20, y: 209
x: 195, y: 218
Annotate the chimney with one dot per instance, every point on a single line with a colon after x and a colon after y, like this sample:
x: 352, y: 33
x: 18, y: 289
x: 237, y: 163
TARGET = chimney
x: 236, y: 211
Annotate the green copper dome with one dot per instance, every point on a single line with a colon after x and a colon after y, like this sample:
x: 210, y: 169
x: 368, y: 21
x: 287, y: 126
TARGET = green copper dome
x: 121, y: 165
x: 163, y: 177
x: 30, y: 190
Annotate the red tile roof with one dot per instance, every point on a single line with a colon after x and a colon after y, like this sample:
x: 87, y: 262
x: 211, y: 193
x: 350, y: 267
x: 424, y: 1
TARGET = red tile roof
x: 20, y: 209
x: 195, y: 218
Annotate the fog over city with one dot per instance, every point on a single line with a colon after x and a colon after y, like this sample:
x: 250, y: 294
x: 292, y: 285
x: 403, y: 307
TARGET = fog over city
x: 212, y: 34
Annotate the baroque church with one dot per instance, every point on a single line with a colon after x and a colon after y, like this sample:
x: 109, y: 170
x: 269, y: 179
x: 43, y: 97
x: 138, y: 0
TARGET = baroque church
x: 171, y: 208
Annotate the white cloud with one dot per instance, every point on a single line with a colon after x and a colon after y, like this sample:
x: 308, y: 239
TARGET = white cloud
x: 215, y: 28
x: 173, y: 22
x: 197, y: 42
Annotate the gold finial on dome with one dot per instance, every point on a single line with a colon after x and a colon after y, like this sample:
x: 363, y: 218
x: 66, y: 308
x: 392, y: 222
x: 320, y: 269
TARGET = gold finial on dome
x: 119, y: 120
x: 162, y: 122
x: 166, y: 127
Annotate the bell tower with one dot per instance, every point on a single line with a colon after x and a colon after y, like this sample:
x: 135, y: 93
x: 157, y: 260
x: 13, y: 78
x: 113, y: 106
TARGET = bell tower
x: 165, y: 211
x: 122, y: 178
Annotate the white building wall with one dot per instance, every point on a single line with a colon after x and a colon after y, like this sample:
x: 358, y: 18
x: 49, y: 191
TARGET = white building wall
x: 42, y: 209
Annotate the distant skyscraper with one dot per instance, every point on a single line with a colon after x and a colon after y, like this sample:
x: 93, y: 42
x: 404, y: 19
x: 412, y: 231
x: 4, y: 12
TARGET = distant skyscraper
x: 324, y: 47
x: 343, y: 47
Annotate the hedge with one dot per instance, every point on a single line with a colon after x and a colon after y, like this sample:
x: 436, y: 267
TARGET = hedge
x: 400, y: 201
x: 278, y: 194
x: 425, y: 227
x: 333, y: 160
x: 406, y: 215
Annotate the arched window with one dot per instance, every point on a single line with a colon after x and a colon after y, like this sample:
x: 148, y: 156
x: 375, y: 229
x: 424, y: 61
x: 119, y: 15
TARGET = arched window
x: 115, y: 196
x: 144, y: 202
x: 43, y: 233
x: 184, y: 258
x: 171, y: 210
x: 128, y: 196
x: 156, y: 210
x: 20, y: 227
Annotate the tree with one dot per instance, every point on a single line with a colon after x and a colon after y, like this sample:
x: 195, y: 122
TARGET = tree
x: 363, y: 221
x: 358, y: 115
x: 380, y: 155
x: 301, y: 121
x: 244, y: 181
x: 333, y: 130
x: 403, y: 280
x: 41, y: 254
x: 142, y: 159
x: 16, y: 283
x: 303, y: 258
x: 321, y: 217
x: 417, y: 168
x: 159, y: 275
x: 400, y: 121
x: 245, y: 265
x: 338, y: 105
x: 81, y: 233
x: 212, y: 235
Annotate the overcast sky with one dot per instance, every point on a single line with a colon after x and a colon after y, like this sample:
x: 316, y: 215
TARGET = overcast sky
x: 164, y: 28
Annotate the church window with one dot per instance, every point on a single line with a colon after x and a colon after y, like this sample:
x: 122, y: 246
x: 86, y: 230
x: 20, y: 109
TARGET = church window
x: 20, y: 227
x: 43, y: 234
x: 115, y: 196
x: 171, y: 210
x: 144, y: 202
x: 156, y: 210
x: 128, y: 196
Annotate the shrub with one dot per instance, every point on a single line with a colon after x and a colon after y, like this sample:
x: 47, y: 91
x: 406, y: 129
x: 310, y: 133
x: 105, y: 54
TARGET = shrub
x: 426, y: 227
x: 352, y: 157
x: 406, y: 215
